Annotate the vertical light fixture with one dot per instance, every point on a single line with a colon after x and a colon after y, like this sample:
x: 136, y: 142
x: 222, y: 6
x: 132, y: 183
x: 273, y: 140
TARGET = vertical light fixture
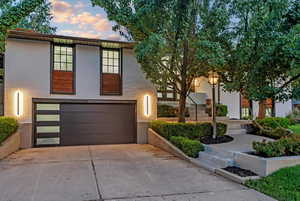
x: 147, y: 105
x: 18, y: 99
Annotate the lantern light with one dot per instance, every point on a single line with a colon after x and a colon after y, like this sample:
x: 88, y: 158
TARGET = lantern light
x: 213, y: 78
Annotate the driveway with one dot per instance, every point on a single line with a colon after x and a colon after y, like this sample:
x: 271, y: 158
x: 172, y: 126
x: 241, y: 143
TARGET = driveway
x: 112, y: 172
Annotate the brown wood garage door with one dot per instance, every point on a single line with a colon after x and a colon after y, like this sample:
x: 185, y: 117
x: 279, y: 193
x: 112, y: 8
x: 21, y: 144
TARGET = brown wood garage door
x: 95, y: 124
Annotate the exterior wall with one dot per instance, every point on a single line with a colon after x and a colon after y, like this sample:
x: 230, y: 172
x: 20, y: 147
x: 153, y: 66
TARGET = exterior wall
x: 28, y: 70
x: 232, y: 100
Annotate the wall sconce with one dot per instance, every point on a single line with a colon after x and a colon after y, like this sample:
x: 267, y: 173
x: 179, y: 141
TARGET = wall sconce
x: 18, y: 103
x: 147, y: 105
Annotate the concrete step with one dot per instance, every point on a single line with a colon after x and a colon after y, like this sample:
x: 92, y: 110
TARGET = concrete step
x: 214, y: 161
x: 210, y: 149
x: 236, y: 131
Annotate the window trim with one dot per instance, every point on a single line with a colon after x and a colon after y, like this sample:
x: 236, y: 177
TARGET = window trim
x: 120, y: 71
x: 52, y: 68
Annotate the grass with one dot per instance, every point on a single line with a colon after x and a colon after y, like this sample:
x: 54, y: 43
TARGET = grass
x: 283, y: 185
x: 295, y: 128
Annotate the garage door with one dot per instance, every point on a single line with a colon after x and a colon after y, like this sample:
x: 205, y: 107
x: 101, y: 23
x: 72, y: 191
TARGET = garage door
x: 84, y: 124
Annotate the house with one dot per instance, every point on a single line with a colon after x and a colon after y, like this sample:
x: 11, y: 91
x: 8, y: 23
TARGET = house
x: 238, y: 106
x: 76, y: 91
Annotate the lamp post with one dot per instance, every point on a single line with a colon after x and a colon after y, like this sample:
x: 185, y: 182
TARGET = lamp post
x: 213, y: 79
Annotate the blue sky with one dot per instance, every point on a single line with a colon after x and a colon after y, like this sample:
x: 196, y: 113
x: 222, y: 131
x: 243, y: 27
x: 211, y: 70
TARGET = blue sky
x: 80, y: 18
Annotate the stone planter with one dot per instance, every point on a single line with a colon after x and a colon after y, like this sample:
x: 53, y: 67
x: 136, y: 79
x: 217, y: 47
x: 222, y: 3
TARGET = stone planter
x: 10, y: 145
x: 264, y: 166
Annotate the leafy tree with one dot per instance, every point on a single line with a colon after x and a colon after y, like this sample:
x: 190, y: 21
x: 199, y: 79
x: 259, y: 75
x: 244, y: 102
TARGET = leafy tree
x: 13, y: 15
x: 265, y: 62
x: 39, y: 20
x: 177, y: 40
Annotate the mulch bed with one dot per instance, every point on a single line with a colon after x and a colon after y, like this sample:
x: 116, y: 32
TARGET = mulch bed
x: 218, y: 140
x: 240, y: 172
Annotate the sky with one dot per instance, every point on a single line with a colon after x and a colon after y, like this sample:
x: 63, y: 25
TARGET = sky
x: 79, y: 18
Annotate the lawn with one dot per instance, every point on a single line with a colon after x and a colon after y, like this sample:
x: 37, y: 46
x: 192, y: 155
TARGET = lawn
x: 295, y: 128
x: 283, y: 185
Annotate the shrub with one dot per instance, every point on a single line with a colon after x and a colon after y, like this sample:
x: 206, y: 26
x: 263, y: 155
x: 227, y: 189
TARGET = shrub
x: 221, y: 110
x: 294, y: 116
x: 8, y: 126
x: 288, y: 146
x: 188, y: 146
x: 169, y: 111
x: 274, y: 122
x: 189, y: 130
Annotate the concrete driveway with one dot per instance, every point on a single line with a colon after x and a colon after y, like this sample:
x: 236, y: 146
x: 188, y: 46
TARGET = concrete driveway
x: 113, y: 172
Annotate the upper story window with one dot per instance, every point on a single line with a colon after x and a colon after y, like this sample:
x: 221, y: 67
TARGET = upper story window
x: 111, y: 72
x: 63, y: 58
x: 111, y: 61
x: 63, y: 69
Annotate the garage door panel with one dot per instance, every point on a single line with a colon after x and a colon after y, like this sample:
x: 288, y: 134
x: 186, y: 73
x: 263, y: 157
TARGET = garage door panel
x: 83, y: 124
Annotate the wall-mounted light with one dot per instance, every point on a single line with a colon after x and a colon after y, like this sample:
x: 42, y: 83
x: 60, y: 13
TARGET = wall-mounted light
x: 147, y: 105
x: 18, y: 103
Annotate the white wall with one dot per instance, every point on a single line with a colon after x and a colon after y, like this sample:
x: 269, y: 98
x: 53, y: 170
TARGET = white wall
x: 232, y: 100
x: 28, y: 69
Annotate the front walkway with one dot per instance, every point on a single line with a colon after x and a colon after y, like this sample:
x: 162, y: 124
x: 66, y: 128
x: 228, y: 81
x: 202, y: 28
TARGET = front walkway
x: 113, y: 172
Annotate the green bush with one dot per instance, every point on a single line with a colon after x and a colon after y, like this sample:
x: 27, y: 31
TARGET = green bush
x: 221, y: 110
x: 8, y: 126
x: 288, y: 146
x: 189, y: 147
x: 192, y: 131
x: 274, y: 122
x: 169, y: 111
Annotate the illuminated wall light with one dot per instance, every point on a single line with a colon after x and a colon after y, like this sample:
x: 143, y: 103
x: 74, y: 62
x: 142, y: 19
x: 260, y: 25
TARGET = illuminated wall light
x: 147, y: 105
x: 18, y: 103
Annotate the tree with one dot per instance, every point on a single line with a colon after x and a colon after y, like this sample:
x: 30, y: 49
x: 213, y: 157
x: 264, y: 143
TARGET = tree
x: 39, y: 20
x: 177, y: 40
x: 13, y: 15
x: 265, y: 62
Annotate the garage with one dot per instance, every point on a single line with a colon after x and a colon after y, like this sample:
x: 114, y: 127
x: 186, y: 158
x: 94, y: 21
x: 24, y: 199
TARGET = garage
x: 69, y: 123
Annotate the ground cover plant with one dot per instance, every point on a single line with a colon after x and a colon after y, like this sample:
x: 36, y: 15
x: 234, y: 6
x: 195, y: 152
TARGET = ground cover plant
x: 8, y: 126
x: 282, y: 185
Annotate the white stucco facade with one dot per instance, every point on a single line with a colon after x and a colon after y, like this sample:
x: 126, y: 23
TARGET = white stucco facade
x: 27, y: 68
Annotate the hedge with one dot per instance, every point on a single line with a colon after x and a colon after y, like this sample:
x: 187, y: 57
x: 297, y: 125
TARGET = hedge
x: 288, y: 146
x: 8, y: 126
x: 192, y: 131
x: 188, y: 146
x: 274, y: 122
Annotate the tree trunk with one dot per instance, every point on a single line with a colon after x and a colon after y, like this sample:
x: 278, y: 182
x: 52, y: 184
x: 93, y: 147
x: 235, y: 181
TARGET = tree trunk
x: 182, y: 107
x: 262, y: 109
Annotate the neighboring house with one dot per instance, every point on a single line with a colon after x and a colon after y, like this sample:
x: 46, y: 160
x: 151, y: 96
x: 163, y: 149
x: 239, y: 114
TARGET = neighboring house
x: 76, y: 91
x: 238, y: 107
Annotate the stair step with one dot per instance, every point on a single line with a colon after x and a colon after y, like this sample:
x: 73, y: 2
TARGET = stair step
x: 214, y: 160
x: 236, y: 131
x: 218, y: 152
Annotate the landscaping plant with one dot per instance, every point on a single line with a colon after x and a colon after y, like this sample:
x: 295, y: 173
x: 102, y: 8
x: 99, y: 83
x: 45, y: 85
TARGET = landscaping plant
x: 282, y: 185
x: 190, y: 130
x: 288, y: 146
x: 190, y: 147
x: 8, y: 126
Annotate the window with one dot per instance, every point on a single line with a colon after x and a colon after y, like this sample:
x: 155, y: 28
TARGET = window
x: 63, y: 58
x: 63, y: 69
x: 111, y: 72
x: 111, y: 61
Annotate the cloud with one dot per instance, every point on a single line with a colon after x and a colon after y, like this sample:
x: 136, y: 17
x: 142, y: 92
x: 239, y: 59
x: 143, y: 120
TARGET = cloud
x: 84, y: 34
x: 115, y: 37
x: 97, y: 21
x: 61, y: 10
x: 75, y: 19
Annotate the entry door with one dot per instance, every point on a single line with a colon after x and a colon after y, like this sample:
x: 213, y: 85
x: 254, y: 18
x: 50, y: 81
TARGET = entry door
x: 95, y: 124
